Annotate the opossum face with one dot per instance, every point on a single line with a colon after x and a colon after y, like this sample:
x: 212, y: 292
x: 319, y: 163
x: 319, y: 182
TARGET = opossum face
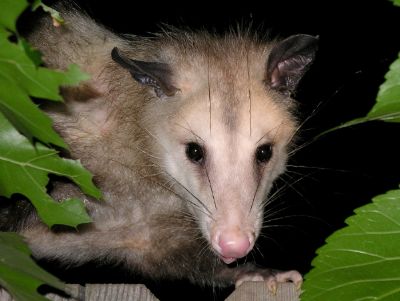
x: 228, y: 169
x: 225, y: 140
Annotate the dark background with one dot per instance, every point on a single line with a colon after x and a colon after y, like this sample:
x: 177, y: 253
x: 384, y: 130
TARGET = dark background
x: 336, y: 173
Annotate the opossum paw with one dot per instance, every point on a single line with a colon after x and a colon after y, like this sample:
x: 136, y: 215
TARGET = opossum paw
x: 290, y: 276
x: 272, y: 280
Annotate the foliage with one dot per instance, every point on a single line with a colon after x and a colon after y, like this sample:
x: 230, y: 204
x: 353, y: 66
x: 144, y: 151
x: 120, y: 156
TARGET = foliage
x: 19, y: 274
x: 21, y: 77
x: 26, y: 155
x: 362, y: 261
x: 396, y: 2
x: 31, y: 164
x: 387, y: 106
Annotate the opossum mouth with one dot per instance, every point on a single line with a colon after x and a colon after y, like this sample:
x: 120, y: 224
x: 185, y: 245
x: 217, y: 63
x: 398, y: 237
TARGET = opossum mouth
x: 227, y: 260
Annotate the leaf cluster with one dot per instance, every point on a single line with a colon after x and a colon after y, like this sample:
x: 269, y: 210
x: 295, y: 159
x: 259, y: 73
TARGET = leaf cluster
x: 362, y: 261
x: 27, y: 149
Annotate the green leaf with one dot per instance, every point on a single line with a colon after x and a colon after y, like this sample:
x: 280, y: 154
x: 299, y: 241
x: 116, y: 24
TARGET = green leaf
x: 4, y: 33
x: 73, y: 76
x: 387, y: 106
x: 396, y: 2
x: 38, y: 82
x: 25, y: 169
x: 20, y: 275
x: 16, y: 105
x: 9, y: 12
x: 19, y: 78
x: 32, y: 53
x: 361, y: 261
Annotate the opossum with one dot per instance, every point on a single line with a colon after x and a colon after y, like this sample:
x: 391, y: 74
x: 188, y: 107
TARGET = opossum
x: 184, y: 132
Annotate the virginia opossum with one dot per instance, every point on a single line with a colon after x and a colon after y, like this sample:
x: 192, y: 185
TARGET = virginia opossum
x: 185, y: 133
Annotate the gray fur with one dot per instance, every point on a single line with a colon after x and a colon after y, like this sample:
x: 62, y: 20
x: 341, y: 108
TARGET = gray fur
x: 108, y: 122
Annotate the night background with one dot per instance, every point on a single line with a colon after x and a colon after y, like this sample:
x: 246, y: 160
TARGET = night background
x: 327, y: 178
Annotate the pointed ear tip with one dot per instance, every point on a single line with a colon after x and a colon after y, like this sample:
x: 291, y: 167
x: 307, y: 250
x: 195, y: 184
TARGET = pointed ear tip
x: 305, y: 37
x: 119, y: 58
x: 309, y: 37
x: 310, y: 40
x: 115, y: 51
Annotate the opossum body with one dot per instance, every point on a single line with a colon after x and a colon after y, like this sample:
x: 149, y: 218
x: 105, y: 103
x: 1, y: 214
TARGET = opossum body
x: 185, y: 133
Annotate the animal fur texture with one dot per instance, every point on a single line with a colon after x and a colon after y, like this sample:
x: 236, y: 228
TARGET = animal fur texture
x: 184, y: 133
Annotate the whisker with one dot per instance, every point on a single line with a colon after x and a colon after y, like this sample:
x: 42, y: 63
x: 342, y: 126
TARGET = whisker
x: 273, y: 129
x: 271, y: 213
x: 281, y: 227
x: 151, y: 175
x: 191, y: 131
x: 291, y: 186
x: 257, y: 249
x: 209, y: 88
x: 208, y: 213
x: 291, y: 174
x: 300, y: 126
x: 318, y: 168
x: 209, y: 183
x: 282, y: 218
x: 147, y: 153
x: 263, y: 235
x: 257, y: 187
x: 187, y: 190
x: 204, y: 248
x: 314, y: 112
x: 136, y: 165
x: 284, y: 187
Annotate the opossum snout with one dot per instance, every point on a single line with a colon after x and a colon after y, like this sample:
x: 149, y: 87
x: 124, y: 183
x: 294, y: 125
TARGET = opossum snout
x: 232, y: 244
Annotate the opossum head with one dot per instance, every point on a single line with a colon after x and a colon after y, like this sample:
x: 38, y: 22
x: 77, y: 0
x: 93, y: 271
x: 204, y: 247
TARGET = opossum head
x: 223, y: 119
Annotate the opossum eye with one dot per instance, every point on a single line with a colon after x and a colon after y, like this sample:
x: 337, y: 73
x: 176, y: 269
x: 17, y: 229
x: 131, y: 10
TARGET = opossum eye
x: 264, y: 153
x: 194, y: 152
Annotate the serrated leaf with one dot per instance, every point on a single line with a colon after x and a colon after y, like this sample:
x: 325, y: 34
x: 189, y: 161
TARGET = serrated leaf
x: 16, y: 105
x: 20, y: 275
x: 387, y: 106
x: 361, y: 261
x: 25, y: 169
x: 38, y: 82
x: 73, y: 76
x: 9, y: 12
x: 21, y: 77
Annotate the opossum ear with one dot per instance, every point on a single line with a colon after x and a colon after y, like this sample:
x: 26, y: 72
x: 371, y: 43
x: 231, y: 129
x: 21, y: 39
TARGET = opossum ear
x: 153, y: 74
x: 289, y: 60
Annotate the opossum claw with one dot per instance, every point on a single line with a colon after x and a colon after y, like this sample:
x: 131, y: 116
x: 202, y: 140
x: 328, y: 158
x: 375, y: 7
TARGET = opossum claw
x: 272, y: 280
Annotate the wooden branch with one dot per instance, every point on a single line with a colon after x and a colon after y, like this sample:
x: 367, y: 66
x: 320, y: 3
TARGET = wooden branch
x: 248, y: 291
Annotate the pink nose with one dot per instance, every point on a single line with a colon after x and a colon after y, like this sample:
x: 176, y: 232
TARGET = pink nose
x: 234, y: 245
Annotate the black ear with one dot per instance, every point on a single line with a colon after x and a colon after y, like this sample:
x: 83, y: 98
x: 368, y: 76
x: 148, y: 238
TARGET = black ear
x: 153, y: 74
x: 289, y: 60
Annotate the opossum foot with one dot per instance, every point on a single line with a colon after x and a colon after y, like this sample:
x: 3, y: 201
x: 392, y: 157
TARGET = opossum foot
x: 272, y: 280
